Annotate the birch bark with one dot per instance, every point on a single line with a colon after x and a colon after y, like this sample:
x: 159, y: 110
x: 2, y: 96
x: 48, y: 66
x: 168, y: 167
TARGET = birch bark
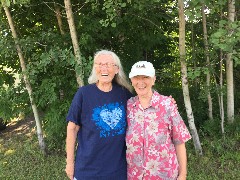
x: 229, y: 67
x: 186, y: 95
x: 73, y: 33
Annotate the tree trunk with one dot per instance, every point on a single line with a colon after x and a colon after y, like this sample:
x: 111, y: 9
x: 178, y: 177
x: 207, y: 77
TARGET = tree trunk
x: 186, y: 96
x: 60, y: 25
x: 221, y: 93
x: 28, y: 86
x: 194, y: 55
x: 59, y: 18
x: 73, y: 32
x: 229, y: 68
x: 210, y: 109
x: 221, y: 105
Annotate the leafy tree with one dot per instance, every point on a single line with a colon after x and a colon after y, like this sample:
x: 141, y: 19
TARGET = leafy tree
x: 26, y: 80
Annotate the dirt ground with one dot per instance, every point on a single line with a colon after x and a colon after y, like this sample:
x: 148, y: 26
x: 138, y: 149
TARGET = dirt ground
x: 23, y: 126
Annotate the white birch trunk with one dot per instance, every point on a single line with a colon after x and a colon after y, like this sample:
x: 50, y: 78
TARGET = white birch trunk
x: 28, y: 86
x: 187, y: 101
x: 210, y: 108
x: 229, y: 68
x: 73, y: 33
x: 221, y: 94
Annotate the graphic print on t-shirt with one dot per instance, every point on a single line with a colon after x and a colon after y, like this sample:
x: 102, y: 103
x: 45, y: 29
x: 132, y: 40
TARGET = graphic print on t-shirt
x: 110, y: 119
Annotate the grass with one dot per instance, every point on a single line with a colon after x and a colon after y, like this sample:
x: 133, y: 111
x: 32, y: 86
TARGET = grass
x: 20, y: 157
x: 221, y: 155
x: 215, y: 164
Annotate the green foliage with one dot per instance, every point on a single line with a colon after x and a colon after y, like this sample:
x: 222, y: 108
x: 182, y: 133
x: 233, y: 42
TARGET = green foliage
x: 194, y: 73
x: 214, y: 167
x: 54, y: 80
x: 212, y: 128
x: 12, y: 100
x: 227, y: 36
x: 51, y: 70
x: 8, y: 2
x: 220, y: 153
x: 55, y: 125
x: 113, y: 10
x: 135, y: 30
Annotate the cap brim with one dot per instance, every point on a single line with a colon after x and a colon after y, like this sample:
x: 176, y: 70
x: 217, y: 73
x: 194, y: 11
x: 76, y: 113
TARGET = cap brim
x: 140, y: 73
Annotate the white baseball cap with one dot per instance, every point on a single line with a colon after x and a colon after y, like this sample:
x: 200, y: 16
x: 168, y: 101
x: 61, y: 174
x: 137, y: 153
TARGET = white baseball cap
x: 142, y: 68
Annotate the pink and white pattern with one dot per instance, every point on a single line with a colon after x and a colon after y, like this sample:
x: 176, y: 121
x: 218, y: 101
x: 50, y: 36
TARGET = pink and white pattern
x: 150, y: 139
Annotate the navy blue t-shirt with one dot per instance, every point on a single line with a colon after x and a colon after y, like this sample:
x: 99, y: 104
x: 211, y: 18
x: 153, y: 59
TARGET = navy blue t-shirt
x: 101, y: 150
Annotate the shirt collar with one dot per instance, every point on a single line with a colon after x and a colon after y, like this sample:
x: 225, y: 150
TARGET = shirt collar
x: 153, y: 103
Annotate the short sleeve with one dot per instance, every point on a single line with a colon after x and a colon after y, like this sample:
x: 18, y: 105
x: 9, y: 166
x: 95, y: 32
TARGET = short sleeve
x: 75, y: 110
x: 179, y: 131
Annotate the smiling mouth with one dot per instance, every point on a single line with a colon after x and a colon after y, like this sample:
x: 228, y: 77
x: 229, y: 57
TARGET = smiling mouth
x: 105, y: 75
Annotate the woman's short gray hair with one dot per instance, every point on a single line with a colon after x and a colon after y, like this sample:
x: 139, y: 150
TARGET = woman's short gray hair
x: 119, y: 78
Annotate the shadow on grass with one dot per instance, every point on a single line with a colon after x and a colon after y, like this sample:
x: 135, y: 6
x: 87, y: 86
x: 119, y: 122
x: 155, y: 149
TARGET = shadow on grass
x: 20, y: 155
x: 18, y: 127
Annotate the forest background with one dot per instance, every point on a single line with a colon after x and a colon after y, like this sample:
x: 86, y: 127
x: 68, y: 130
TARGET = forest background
x: 46, y: 53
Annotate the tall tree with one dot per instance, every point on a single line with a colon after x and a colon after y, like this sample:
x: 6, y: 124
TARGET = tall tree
x: 26, y: 80
x: 73, y: 33
x: 205, y: 35
x: 186, y: 95
x: 221, y: 105
x: 220, y: 96
x: 229, y: 66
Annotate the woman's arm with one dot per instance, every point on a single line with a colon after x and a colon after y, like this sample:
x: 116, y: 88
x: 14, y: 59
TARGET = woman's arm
x: 182, y: 160
x: 72, y: 130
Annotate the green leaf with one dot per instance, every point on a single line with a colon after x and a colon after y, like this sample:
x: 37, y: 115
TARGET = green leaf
x: 113, y: 25
x: 234, y: 25
x: 123, y: 5
x: 222, y: 23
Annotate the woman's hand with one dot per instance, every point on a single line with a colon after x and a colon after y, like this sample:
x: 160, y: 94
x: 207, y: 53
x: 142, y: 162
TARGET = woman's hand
x: 173, y: 101
x: 182, y: 177
x: 70, y: 170
x: 72, y: 130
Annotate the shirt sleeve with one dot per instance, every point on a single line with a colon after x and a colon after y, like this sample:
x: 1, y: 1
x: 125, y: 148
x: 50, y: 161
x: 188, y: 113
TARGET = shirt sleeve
x: 75, y: 110
x: 179, y: 131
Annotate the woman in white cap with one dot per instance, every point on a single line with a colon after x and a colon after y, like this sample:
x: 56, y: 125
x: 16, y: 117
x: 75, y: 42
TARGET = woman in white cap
x: 156, y: 133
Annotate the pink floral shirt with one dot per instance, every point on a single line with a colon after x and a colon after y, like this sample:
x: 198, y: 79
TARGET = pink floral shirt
x: 150, y: 139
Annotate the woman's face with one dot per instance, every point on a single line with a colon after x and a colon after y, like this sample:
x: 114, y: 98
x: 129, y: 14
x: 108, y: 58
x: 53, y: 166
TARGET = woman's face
x: 143, y: 85
x: 105, y: 68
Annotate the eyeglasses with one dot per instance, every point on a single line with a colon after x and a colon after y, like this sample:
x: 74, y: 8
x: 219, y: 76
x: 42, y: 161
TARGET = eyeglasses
x: 107, y: 65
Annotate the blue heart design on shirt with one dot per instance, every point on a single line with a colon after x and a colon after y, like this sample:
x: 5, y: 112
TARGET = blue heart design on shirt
x: 111, y: 118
